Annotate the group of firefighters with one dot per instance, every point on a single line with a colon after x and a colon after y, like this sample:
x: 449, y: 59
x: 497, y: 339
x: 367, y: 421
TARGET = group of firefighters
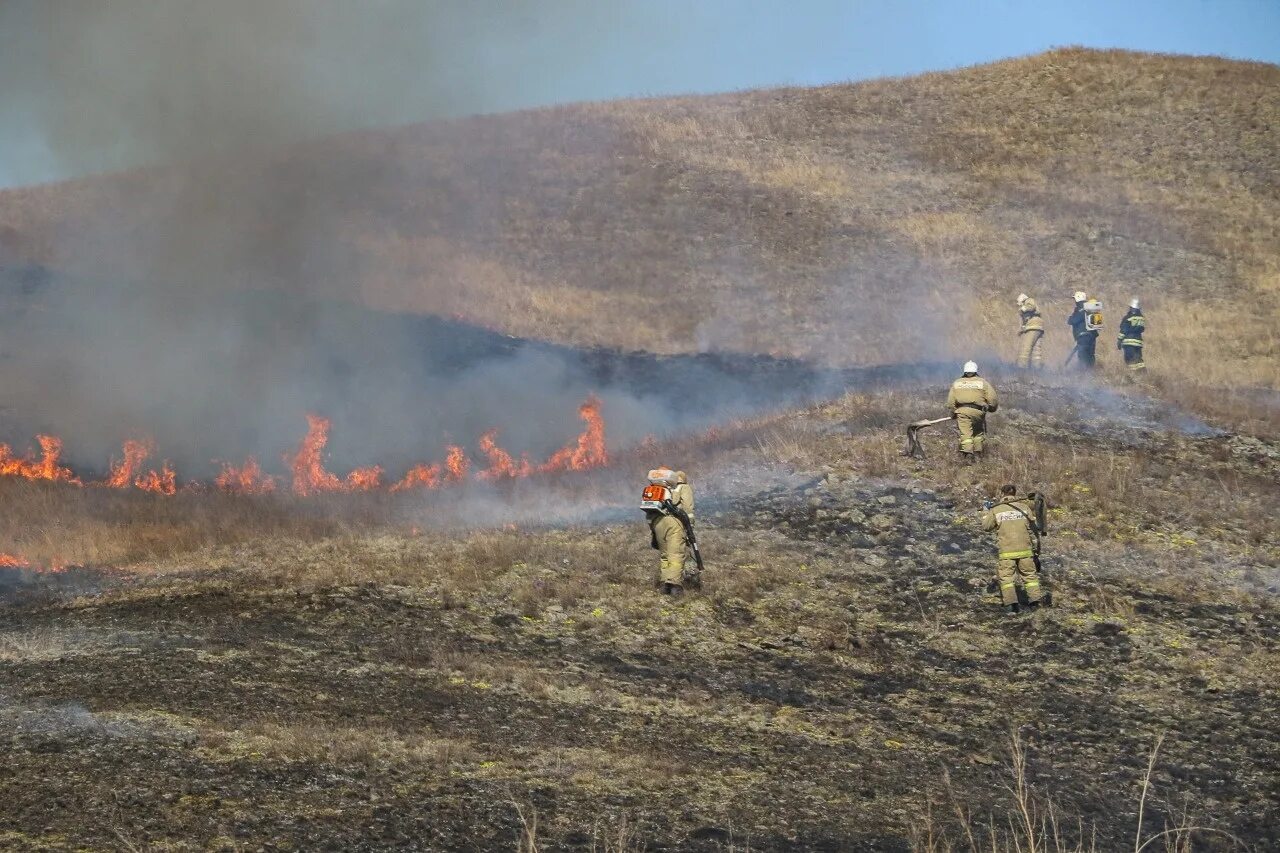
x: 1018, y: 522
x: 1085, y: 322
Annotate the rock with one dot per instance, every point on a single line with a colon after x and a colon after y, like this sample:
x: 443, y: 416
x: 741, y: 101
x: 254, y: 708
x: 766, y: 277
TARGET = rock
x: 880, y: 521
x: 815, y: 501
x: 886, y: 500
x: 875, y: 560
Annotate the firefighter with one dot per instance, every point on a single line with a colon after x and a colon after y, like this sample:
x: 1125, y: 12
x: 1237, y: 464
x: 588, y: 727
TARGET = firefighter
x: 1030, y: 335
x: 682, y: 494
x: 1129, y: 341
x: 1086, y: 338
x: 668, y: 534
x: 1013, y: 519
x: 970, y: 399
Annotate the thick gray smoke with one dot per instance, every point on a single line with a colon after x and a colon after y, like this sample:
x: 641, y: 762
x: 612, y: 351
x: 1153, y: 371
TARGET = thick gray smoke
x: 212, y: 324
x: 100, y: 85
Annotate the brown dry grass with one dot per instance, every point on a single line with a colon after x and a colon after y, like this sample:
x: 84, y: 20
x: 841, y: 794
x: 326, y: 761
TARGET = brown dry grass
x: 872, y: 222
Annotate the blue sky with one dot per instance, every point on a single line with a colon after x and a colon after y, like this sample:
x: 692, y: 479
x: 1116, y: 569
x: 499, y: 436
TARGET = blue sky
x: 97, y: 85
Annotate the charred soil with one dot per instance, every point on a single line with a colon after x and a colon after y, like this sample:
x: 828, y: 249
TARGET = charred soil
x: 841, y: 681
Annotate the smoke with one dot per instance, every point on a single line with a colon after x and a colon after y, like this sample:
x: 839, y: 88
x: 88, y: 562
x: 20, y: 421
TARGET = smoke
x: 223, y: 307
x: 177, y: 329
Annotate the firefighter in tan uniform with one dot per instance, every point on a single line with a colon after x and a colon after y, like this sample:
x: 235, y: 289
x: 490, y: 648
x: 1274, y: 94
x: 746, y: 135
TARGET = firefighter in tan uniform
x: 669, y: 535
x: 1013, y: 519
x: 971, y: 398
x: 1030, y: 335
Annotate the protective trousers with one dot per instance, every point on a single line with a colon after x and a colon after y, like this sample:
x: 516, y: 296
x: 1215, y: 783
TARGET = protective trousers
x: 669, y: 533
x: 1133, y: 358
x: 1029, y: 354
x: 973, y: 427
x: 1085, y: 346
x: 1023, y: 569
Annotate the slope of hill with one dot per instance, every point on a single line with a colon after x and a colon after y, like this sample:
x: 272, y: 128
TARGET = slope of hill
x: 864, y: 222
x: 378, y: 671
x: 844, y: 680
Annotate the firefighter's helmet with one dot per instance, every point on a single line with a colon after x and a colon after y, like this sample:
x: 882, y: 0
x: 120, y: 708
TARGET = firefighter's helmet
x: 971, y: 367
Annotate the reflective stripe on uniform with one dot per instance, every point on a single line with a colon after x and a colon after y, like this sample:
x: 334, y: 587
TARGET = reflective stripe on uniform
x: 1131, y: 342
x: 1138, y: 365
x: 1016, y: 555
x: 1006, y: 584
x: 1137, y: 321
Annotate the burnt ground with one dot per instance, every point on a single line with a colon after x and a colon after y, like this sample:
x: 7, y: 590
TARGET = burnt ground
x: 842, y: 681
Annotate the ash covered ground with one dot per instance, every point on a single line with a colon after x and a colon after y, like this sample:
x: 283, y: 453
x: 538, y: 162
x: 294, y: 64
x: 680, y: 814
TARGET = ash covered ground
x: 844, y: 679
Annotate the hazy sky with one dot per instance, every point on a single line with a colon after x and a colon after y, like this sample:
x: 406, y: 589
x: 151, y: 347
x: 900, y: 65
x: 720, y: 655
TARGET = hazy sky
x: 95, y: 85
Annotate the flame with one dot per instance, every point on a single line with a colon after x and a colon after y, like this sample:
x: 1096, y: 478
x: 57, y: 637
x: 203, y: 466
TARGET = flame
x: 364, y: 479
x: 501, y: 465
x: 588, y: 451
x: 45, y: 468
x: 248, y: 479
x: 419, y: 477
x: 456, y: 464
x: 123, y: 470
x: 164, y: 482
x: 306, y: 464
x: 13, y: 561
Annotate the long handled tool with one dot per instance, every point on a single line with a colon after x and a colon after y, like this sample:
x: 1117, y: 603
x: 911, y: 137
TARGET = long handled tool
x: 683, y: 518
x: 1075, y: 349
x: 914, y: 447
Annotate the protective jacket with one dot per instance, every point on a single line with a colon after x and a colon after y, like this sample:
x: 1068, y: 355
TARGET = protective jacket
x: 682, y: 497
x: 1011, y: 519
x: 972, y: 393
x: 1131, y: 328
x: 1031, y: 319
x: 1077, y: 322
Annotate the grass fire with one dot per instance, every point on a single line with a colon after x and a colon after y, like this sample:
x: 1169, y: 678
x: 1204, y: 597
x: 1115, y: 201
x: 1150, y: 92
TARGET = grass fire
x: 535, y: 480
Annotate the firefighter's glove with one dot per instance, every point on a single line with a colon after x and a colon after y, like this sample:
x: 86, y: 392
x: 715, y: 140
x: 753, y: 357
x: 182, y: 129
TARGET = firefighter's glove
x: 988, y: 504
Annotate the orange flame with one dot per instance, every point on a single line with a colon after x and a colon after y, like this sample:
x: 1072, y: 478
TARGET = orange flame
x: 501, y: 465
x: 364, y: 479
x: 248, y: 479
x: 456, y: 464
x: 164, y: 482
x: 123, y: 470
x: 45, y: 468
x: 419, y: 477
x: 9, y: 561
x: 588, y: 451
x: 307, y: 465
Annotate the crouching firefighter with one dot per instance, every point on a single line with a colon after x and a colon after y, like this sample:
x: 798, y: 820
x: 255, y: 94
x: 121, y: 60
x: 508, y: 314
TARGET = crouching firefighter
x: 1019, y: 524
x: 1129, y: 341
x: 970, y: 399
x: 668, y: 507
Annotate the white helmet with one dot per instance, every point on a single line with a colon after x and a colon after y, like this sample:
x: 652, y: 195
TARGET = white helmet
x: 1134, y: 304
x: 1081, y: 296
x: 1022, y: 297
x: 971, y: 367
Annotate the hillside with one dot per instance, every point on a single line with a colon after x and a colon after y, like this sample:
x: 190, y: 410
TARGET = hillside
x: 282, y: 677
x: 486, y: 664
x: 865, y: 222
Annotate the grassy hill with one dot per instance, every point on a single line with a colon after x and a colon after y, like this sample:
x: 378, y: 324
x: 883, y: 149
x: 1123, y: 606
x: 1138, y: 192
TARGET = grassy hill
x: 862, y: 222
x: 383, y: 671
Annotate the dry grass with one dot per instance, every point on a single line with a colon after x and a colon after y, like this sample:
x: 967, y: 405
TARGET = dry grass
x: 1030, y: 822
x: 875, y: 222
x: 369, y: 747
